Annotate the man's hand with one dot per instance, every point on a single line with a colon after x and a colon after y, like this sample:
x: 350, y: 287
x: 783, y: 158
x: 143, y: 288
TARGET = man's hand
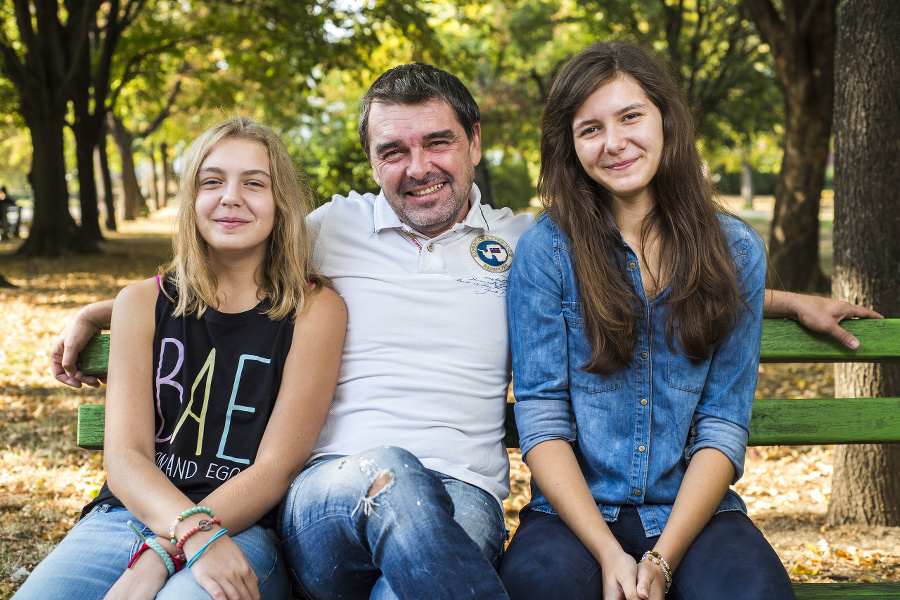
x: 818, y: 314
x: 65, y: 360
x: 822, y: 315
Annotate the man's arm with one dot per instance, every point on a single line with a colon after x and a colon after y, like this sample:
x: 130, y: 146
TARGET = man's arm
x: 816, y: 313
x: 65, y: 360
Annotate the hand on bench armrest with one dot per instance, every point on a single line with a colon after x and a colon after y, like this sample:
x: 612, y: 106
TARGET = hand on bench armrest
x: 818, y: 314
x: 65, y: 359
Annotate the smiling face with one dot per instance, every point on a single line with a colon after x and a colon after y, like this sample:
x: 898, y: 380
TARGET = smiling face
x: 235, y: 206
x: 618, y: 138
x: 424, y: 162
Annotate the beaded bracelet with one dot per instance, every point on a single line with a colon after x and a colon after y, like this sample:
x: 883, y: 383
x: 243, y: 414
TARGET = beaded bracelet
x: 657, y: 559
x: 183, y: 516
x: 194, y: 558
x: 204, y: 525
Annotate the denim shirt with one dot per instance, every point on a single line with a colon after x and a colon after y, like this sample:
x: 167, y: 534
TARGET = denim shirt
x: 634, y: 431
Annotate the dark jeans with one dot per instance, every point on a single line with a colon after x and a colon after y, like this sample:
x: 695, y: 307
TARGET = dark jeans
x: 729, y: 559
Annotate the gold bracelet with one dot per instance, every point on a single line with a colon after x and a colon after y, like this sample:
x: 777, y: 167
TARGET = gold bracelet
x: 657, y: 559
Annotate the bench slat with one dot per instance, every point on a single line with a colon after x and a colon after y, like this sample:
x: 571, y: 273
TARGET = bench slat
x: 780, y: 422
x: 775, y: 422
x: 783, y: 341
x: 809, y: 421
x: 788, y: 341
x: 95, y: 356
x: 847, y: 591
x: 90, y: 426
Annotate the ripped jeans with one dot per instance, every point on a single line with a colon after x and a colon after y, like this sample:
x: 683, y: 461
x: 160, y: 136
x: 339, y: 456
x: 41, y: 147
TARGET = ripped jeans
x: 380, y: 525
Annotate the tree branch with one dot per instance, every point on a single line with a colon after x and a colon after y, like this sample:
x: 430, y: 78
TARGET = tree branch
x: 165, y: 111
x: 771, y: 27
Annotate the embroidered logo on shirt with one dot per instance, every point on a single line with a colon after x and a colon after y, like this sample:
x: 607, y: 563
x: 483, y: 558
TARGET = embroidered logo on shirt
x: 487, y: 285
x: 491, y: 253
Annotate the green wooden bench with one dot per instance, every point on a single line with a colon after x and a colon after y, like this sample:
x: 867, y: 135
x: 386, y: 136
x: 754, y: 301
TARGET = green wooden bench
x: 805, y: 421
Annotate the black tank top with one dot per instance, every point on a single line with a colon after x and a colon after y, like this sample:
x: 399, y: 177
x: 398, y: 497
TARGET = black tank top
x: 215, y: 383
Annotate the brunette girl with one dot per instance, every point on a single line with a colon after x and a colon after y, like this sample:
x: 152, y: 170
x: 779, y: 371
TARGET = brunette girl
x: 635, y: 309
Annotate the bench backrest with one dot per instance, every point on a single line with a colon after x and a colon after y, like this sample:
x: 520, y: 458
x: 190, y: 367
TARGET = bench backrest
x: 774, y: 422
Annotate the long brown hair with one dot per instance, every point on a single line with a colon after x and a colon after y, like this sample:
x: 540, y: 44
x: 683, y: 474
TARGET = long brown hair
x: 703, y: 293
x: 286, y: 272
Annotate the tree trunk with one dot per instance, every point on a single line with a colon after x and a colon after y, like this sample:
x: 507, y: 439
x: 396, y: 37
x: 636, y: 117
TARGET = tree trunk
x: 166, y: 171
x: 85, y: 142
x: 154, y: 186
x: 86, y: 129
x: 108, y: 196
x: 483, y: 181
x: 866, y: 484
x: 803, y: 47
x: 134, y: 201
x: 52, y: 227
x: 747, y: 184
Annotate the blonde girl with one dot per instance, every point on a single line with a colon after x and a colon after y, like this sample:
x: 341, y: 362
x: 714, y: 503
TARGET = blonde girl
x: 221, y: 373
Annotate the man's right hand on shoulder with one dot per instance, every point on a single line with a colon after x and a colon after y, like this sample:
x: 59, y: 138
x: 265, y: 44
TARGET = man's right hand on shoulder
x: 65, y: 352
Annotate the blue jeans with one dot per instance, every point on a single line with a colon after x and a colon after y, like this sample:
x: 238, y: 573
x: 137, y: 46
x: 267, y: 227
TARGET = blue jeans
x: 380, y: 525
x: 95, y: 553
x: 729, y: 559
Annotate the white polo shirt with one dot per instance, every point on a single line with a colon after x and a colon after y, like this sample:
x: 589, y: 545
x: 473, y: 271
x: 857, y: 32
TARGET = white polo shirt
x: 426, y: 360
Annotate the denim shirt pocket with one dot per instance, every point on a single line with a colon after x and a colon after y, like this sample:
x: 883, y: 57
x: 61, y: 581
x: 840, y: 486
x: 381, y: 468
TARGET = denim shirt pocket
x: 684, y: 374
x: 580, y: 354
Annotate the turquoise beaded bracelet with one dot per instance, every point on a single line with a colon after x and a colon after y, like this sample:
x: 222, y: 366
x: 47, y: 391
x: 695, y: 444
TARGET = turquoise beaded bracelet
x: 183, y: 516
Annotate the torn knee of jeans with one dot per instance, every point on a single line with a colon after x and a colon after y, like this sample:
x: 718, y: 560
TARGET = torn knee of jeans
x: 382, y: 481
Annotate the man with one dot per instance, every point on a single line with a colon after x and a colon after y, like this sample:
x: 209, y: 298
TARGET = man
x: 402, y: 494
x: 8, y: 205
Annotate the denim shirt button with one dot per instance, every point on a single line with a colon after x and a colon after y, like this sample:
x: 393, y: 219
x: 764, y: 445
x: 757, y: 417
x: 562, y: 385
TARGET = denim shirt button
x: 637, y: 492
x: 643, y: 355
x: 631, y: 265
x: 643, y: 401
x: 641, y: 448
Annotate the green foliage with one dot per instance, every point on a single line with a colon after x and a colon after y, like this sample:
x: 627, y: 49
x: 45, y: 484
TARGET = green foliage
x: 511, y: 182
x: 301, y: 66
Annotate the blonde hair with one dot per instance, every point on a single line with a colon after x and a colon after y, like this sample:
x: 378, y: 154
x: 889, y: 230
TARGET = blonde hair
x: 286, y: 275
